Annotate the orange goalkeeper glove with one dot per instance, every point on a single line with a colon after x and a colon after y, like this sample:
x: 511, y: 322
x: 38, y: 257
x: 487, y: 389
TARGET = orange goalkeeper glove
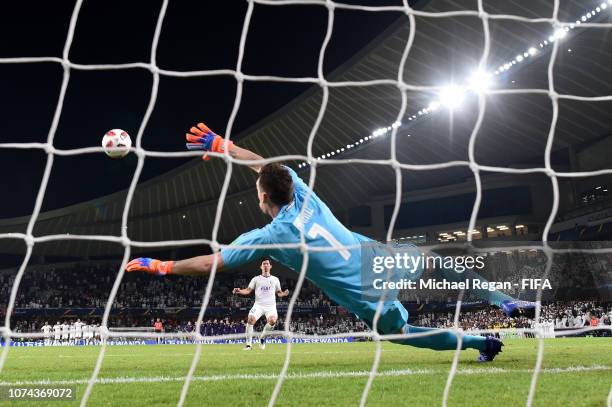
x: 151, y: 266
x: 203, y: 138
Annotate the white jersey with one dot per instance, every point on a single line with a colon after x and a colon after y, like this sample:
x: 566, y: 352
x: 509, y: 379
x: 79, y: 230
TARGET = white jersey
x: 65, y: 329
x: 57, y: 328
x: 78, y: 328
x: 265, y: 290
x: 46, y: 330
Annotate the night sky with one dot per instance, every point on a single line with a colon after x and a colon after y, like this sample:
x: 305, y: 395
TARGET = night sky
x: 196, y: 35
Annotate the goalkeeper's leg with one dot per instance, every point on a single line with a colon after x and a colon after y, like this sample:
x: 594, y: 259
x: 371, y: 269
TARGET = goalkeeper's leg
x: 395, y: 314
x: 441, y: 340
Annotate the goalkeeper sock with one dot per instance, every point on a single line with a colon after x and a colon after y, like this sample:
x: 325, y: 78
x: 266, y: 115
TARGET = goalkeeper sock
x: 443, y: 340
x: 266, y: 329
x: 249, y: 332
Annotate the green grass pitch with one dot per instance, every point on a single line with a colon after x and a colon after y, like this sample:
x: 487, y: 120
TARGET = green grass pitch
x: 576, y: 372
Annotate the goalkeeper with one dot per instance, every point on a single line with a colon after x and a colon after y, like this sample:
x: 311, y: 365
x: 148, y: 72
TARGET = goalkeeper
x: 281, y: 194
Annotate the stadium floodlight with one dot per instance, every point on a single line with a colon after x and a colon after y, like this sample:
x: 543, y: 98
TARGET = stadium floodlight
x: 532, y: 51
x: 452, y: 96
x: 433, y: 106
x: 519, y: 58
x: 480, y: 81
x: 560, y: 33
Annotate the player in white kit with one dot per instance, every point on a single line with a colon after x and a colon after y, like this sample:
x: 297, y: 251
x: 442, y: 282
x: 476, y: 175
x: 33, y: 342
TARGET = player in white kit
x: 87, y: 333
x: 96, y: 333
x: 78, y: 328
x: 266, y: 288
x: 57, y: 332
x: 65, y: 331
x: 46, y: 329
x: 72, y: 333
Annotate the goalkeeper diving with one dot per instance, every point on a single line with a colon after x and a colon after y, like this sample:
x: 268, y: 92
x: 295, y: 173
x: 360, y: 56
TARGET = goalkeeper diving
x: 282, y: 194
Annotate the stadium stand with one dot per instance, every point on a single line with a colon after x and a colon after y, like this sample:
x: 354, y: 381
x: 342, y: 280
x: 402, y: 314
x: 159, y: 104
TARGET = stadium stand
x: 69, y: 291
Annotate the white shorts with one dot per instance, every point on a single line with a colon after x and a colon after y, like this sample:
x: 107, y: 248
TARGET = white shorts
x: 258, y: 310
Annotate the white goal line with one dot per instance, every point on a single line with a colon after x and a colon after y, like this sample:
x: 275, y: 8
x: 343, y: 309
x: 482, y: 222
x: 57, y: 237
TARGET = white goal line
x: 303, y: 376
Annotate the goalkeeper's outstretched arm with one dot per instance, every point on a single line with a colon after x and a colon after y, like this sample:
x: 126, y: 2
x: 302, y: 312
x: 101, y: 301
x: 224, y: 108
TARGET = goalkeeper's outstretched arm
x: 195, y: 266
x: 200, y: 137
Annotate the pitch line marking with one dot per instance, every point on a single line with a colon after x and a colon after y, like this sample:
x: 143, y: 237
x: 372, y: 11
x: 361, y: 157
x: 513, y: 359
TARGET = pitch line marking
x: 298, y: 376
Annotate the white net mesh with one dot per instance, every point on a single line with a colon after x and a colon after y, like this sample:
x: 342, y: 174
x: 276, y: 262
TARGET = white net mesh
x: 325, y: 85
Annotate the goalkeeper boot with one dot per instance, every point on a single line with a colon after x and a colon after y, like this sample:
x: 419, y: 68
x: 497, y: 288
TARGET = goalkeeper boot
x: 247, y: 347
x: 262, y: 343
x: 519, y: 308
x: 493, y: 346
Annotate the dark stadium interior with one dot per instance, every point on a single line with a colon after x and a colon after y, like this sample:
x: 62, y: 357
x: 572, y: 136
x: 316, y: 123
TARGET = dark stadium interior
x: 177, y: 198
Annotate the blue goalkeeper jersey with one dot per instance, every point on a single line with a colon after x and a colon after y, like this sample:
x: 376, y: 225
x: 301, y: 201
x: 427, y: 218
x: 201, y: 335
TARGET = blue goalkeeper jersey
x: 337, y: 272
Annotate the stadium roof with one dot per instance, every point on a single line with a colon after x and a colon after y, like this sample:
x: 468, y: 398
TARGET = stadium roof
x: 182, y: 204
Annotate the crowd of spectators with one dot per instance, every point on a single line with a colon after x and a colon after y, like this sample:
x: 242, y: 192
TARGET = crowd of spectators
x: 562, y: 315
x: 88, y: 286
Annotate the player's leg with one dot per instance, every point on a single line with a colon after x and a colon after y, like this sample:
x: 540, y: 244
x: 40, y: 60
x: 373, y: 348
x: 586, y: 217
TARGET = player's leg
x: 271, y: 318
x: 254, y: 314
x: 439, y: 339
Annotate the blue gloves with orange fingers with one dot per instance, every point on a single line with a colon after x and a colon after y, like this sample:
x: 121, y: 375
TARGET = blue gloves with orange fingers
x: 151, y: 266
x: 203, y: 138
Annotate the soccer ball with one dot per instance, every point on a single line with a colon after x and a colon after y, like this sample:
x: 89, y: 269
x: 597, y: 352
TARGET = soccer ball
x: 116, y: 143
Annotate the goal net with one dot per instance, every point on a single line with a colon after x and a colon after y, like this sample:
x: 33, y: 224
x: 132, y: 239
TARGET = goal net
x: 547, y: 47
